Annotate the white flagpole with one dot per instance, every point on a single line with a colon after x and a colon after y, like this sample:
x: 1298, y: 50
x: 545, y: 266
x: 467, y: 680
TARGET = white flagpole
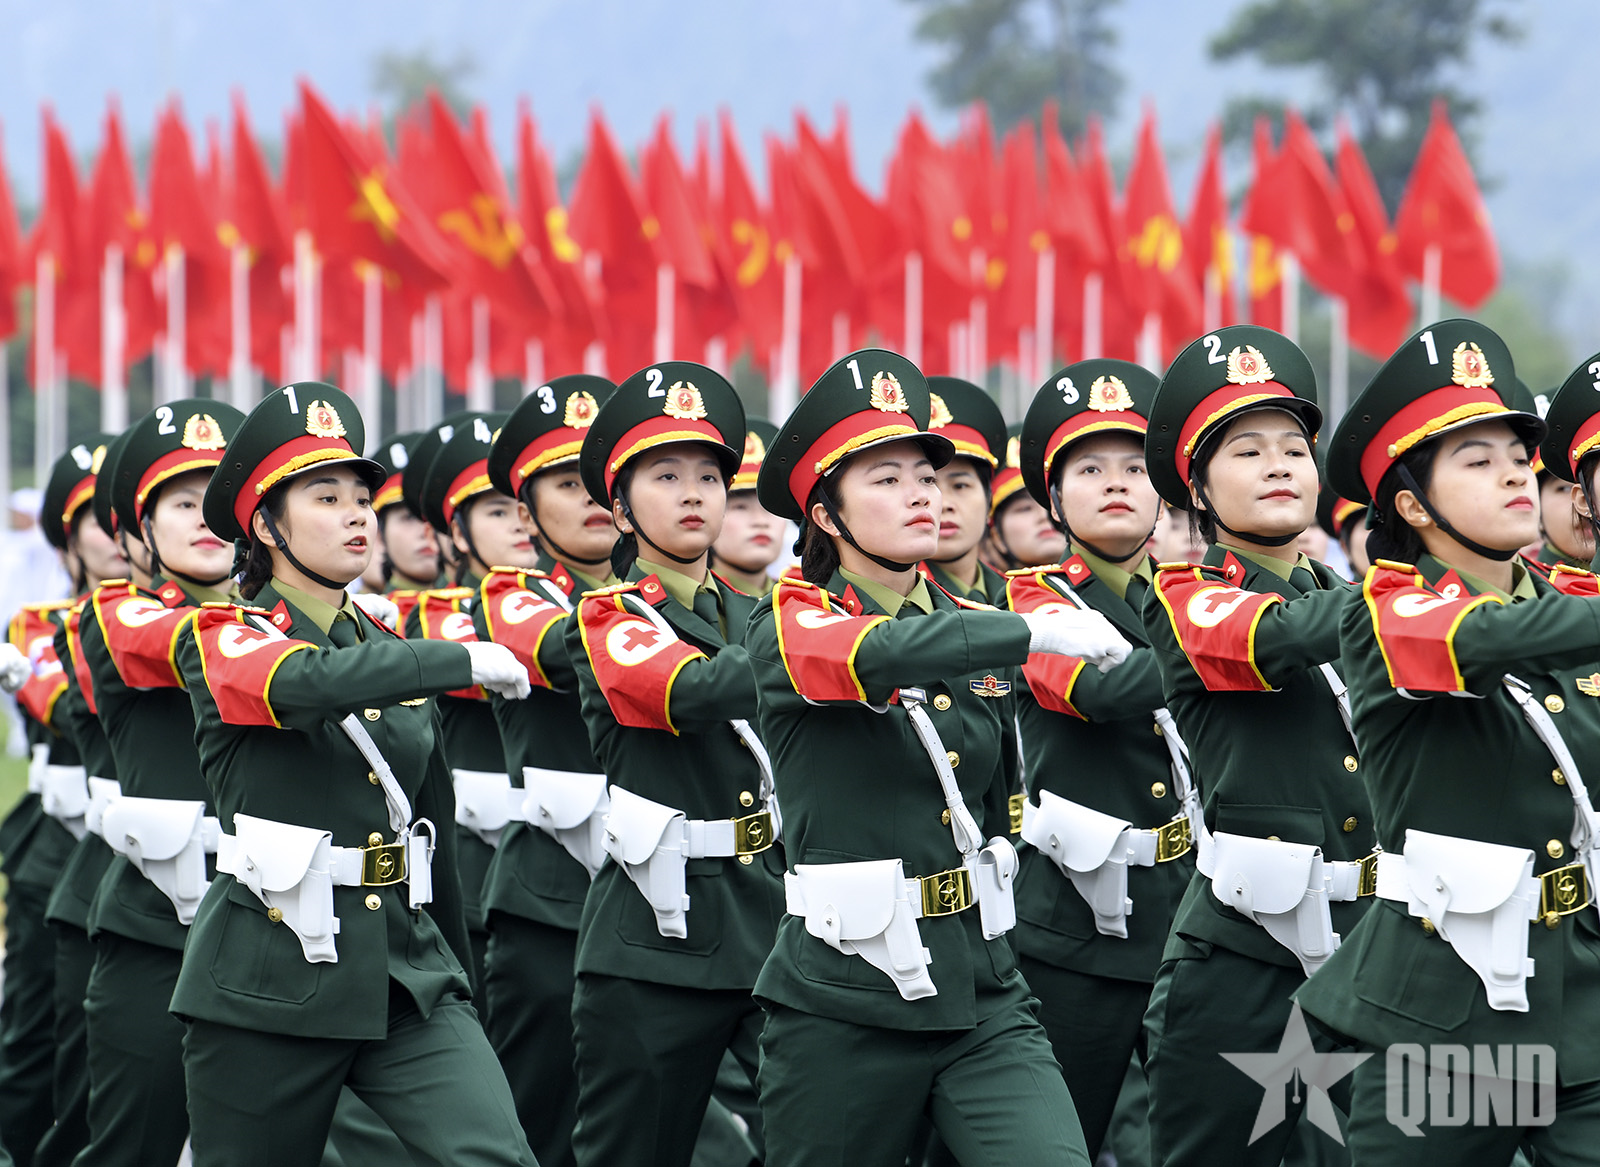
x: 913, y: 337
x: 533, y: 365
x: 1044, y: 317
x: 1338, y: 358
x: 113, y: 341
x: 1149, y: 343
x: 1290, y: 273
x: 480, y: 387
x: 1212, y: 314
x: 44, y: 374
x: 841, y: 334
x: 239, y: 305
x: 177, y: 366
x: 978, y: 323
x: 433, y: 361
x: 1027, y: 357
x: 1432, y: 274
x: 666, y: 286
x: 5, y: 419
x: 305, y: 361
x: 960, y: 350
x: 786, y: 386
x: 594, y: 354
x: 1093, y: 287
x: 717, y: 354
x: 372, y: 352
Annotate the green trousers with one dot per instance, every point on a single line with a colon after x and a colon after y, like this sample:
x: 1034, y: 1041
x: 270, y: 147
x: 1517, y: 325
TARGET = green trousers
x: 835, y: 1094
x: 527, y: 1015
x: 136, y: 1101
x: 1203, y: 1109
x: 1095, y: 1024
x: 70, y: 1131
x: 268, y: 1099
x: 647, y: 1061
x: 27, y: 1022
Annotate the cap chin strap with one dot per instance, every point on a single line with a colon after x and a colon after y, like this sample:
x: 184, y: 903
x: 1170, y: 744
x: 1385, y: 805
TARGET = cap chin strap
x: 464, y: 563
x: 1261, y: 540
x: 1098, y: 553
x: 283, y: 549
x: 561, y: 552
x: 155, y: 560
x: 127, y: 552
x: 638, y: 531
x: 844, y: 533
x: 1410, y: 482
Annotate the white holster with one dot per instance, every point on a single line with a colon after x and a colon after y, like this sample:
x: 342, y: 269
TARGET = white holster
x: 1480, y: 897
x: 1092, y: 850
x: 1281, y: 886
x: 483, y: 803
x: 38, y: 759
x: 569, y: 807
x: 167, y: 840
x: 866, y: 909
x: 65, y: 796
x: 102, y: 793
x: 646, y: 838
x: 289, y: 868
x: 994, y: 872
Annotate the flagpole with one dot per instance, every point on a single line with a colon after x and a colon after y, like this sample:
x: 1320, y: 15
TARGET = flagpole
x: 372, y: 352
x: 959, y: 350
x: 1432, y: 275
x: 717, y: 354
x: 239, y: 302
x: 1149, y: 345
x: 44, y: 355
x: 841, y: 334
x: 1093, y: 288
x: 113, y: 338
x: 666, y: 283
x: 480, y: 387
x: 533, y: 365
x: 5, y: 419
x: 1212, y: 315
x: 913, y: 311
x: 1289, y: 272
x: 1338, y: 357
x: 432, y: 361
x: 978, y: 323
x: 303, y: 368
x: 1044, y: 316
x: 786, y: 386
x: 594, y: 354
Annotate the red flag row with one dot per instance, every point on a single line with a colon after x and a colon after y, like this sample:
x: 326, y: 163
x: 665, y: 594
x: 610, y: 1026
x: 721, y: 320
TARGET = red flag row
x: 980, y: 249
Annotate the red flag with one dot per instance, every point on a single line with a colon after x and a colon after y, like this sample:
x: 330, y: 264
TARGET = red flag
x: 1307, y: 216
x: 58, y: 235
x: 181, y: 217
x: 748, y: 230
x: 256, y: 216
x: 925, y: 188
x: 703, y: 305
x: 545, y: 219
x: 1161, y: 281
x: 11, y: 273
x: 1379, y: 308
x: 1208, y: 242
x: 1264, y: 277
x: 864, y: 244
x: 1443, y: 208
x: 1119, y: 325
x: 1020, y: 241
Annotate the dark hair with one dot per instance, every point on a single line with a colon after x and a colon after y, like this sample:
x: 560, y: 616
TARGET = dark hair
x: 258, y: 564
x: 1586, y: 469
x: 80, y: 578
x: 626, y: 549
x: 461, y: 520
x: 1202, y: 523
x: 819, y: 554
x: 1391, y: 537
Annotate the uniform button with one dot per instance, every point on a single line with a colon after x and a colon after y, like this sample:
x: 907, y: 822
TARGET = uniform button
x: 1157, y: 728
x: 1350, y: 763
x: 1350, y: 824
x: 747, y: 860
x: 1558, y: 777
x: 1427, y: 926
x: 1554, y: 849
x: 1552, y: 920
x: 374, y: 840
x: 1158, y: 789
x: 942, y: 702
x: 944, y: 816
x: 954, y: 759
x: 1554, y: 703
x: 746, y: 798
x: 373, y: 902
x: 1274, y: 838
x: 372, y: 777
x: 372, y: 714
x: 275, y: 915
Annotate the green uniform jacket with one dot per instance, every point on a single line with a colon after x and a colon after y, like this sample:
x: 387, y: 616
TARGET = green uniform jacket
x: 1278, y: 763
x: 34, y: 845
x: 1113, y: 759
x: 1473, y: 769
x: 532, y: 875
x: 701, y: 770
x: 151, y: 730
x: 855, y: 784
x: 74, y: 892
x: 240, y: 968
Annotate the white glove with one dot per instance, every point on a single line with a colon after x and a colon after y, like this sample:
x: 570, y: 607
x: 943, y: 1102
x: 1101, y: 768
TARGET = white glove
x: 1079, y: 632
x: 380, y: 607
x: 14, y: 668
x: 497, y: 669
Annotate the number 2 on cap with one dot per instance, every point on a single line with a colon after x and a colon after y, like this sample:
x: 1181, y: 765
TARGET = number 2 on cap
x: 654, y: 377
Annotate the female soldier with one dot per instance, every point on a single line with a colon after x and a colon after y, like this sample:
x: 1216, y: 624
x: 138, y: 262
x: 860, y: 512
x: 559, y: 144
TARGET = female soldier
x: 675, y: 928
x: 875, y: 1019
x: 1021, y: 533
x: 1109, y: 829
x: 751, y: 539
x: 36, y: 844
x: 534, y: 890
x: 969, y: 418
x: 1484, y: 932
x: 483, y: 525
x: 1245, y: 645
x: 406, y: 555
x: 319, y: 956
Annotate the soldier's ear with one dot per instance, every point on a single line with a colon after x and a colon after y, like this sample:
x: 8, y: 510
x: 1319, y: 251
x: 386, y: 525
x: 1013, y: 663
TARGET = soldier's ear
x: 823, y: 520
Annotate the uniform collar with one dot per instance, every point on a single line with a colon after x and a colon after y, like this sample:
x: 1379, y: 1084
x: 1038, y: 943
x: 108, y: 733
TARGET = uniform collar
x: 682, y: 588
x: 887, y: 598
x: 319, y: 612
x: 198, y: 593
x: 1521, y: 582
x: 1276, y: 566
x: 1113, y: 575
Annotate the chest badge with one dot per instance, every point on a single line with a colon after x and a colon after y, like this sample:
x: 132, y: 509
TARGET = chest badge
x: 1590, y: 685
x: 990, y: 686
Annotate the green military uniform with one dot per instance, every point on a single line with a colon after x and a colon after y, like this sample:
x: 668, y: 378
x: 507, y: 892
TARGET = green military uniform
x: 850, y: 1062
x: 394, y: 455
x: 36, y: 846
x: 759, y: 433
x: 1094, y: 985
x: 471, y: 739
x: 661, y: 674
x: 1474, y: 770
x: 534, y: 889
x: 272, y: 1035
x: 1240, y: 644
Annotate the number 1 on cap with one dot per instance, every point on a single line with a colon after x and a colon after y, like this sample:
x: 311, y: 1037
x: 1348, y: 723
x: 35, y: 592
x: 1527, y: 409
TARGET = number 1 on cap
x: 294, y: 402
x: 1427, y: 341
x: 855, y: 371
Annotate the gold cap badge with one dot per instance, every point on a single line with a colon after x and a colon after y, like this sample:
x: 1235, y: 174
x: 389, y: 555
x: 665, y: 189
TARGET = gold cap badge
x: 201, y: 432
x: 322, y: 421
x: 1246, y: 366
x: 886, y: 394
x: 98, y: 460
x: 1468, y: 368
x: 684, y: 402
x: 754, y: 448
x: 1014, y: 452
x: 580, y: 411
x: 1109, y: 394
x: 939, y: 414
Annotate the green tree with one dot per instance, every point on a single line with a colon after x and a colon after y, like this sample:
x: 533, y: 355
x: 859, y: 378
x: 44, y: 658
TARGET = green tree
x: 401, y: 80
x: 1379, y: 63
x: 1015, y: 54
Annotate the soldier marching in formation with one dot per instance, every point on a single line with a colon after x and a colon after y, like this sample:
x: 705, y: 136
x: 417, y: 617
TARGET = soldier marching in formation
x: 581, y: 834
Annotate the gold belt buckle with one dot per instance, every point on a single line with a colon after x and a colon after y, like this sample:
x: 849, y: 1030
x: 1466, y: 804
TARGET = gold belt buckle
x: 381, y: 866
x: 753, y: 833
x: 1367, y: 881
x: 1174, y: 839
x: 946, y: 893
x: 1015, y: 804
x: 1562, y: 892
